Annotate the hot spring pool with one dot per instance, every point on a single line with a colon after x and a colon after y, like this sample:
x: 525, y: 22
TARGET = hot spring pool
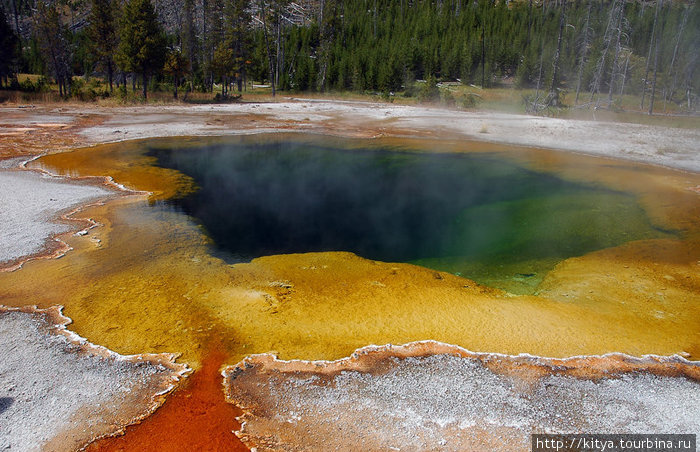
x: 477, y: 215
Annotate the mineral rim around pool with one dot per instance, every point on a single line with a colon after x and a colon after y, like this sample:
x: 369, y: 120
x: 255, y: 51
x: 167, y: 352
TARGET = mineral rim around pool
x: 59, y: 392
x: 433, y: 396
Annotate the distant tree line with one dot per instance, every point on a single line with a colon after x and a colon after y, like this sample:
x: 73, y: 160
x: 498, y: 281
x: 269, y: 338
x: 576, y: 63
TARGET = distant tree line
x: 595, y: 49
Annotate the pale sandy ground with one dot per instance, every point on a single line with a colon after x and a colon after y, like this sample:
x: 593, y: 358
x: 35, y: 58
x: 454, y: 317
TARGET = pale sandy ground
x: 672, y: 147
x: 432, y: 396
x: 58, y: 392
x: 31, y: 203
x: 677, y: 148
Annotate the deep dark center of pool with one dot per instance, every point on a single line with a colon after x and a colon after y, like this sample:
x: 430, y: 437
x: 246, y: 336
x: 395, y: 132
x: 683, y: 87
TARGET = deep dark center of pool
x: 278, y: 196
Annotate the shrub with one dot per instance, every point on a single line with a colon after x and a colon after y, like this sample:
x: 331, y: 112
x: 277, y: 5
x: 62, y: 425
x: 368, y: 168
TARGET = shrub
x: 411, y: 90
x: 387, y: 96
x: 429, y: 92
x: 86, y: 92
x: 27, y: 86
x: 447, y: 98
x: 124, y: 96
x: 468, y: 100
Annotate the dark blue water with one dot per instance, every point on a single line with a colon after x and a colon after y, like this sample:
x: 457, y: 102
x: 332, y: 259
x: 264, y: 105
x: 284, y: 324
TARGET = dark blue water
x: 266, y: 195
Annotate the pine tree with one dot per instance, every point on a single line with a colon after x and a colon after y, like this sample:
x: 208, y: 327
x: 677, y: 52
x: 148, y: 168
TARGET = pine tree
x: 142, y: 41
x: 103, y: 33
x: 188, y: 38
x: 328, y: 27
x: 176, y: 65
x: 50, y: 33
x: 8, y: 50
x: 264, y: 14
x: 237, y: 36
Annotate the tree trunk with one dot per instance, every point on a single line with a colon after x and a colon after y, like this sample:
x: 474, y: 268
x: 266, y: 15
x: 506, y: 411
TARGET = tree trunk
x: 554, y: 94
x: 144, y: 79
x: 189, y: 41
x: 327, y: 33
x: 15, y: 12
x: 529, y: 19
x: 271, y: 66
x: 279, y: 45
x: 584, y: 49
x: 656, y: 60
x: 671, y: 89
x: 536, y: 100
x: 483, y: 54
x: 607, y: 38
x: 109, y: 75
x: 652, y: 40
x: 624, y: 74
x: 617, y: 55
x: 374, y: 29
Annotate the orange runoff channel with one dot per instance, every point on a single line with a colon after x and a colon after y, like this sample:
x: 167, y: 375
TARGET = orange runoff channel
x: 195, y: 417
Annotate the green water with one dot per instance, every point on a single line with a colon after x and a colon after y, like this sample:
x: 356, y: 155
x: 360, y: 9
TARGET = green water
x: 475, y: 215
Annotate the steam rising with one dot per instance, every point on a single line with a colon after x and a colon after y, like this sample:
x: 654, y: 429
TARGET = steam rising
x: 274, y: 196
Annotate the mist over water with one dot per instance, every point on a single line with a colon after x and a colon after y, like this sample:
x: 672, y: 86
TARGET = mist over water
x: 454, y: 212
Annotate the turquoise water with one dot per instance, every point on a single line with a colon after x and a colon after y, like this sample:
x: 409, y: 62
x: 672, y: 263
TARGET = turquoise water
x: 475, y: 215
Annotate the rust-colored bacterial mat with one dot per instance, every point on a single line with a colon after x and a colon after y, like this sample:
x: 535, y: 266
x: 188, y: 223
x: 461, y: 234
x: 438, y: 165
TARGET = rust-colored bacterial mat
x: 196, y: 418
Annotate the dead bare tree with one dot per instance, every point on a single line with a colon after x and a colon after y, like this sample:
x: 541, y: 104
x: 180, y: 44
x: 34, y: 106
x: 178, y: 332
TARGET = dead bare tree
x: 624, y: 72
x: 327, y: 35
x: 652, y: 40
x: 608, y: 37
x: 618, y: 47
x: 672, y: 75
x: 279, y: 52
x: 533, y: 105
x: 270, y: 59
x: 529, y: 19
x: 656, y: 58
x: 15, y: 13
x: 690, y: 69
x: 585, y: 47
x: 204, y: 50
x: 554, y: 85
x: 374, y: 28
